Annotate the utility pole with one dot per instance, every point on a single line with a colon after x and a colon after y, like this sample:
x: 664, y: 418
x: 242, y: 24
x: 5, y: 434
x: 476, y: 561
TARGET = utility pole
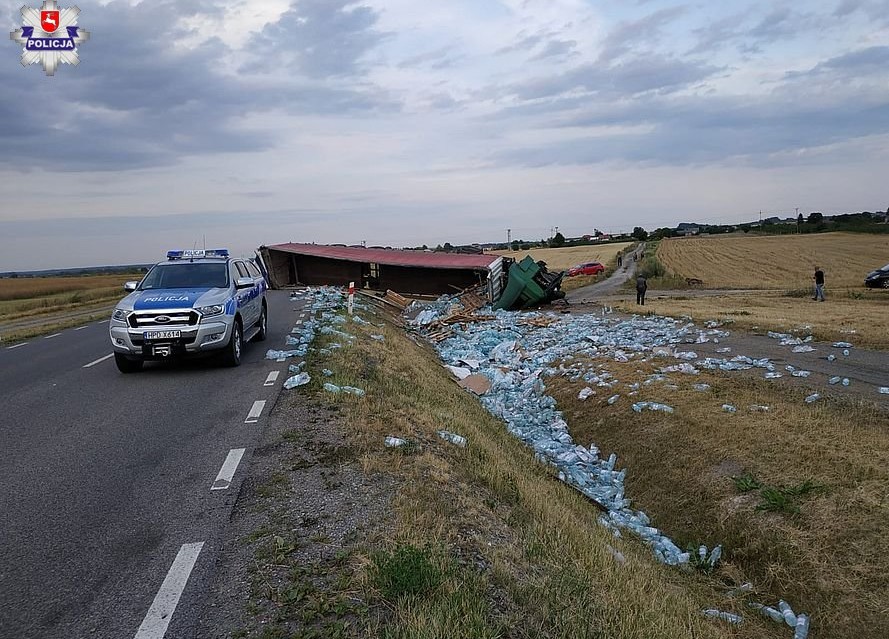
x: 508, y: 237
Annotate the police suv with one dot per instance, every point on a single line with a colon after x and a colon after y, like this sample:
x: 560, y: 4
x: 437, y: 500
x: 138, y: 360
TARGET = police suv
x: 195, y: 303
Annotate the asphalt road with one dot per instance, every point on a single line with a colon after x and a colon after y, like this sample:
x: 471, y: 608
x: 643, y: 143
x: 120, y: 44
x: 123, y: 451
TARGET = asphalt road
x: 106, y: 476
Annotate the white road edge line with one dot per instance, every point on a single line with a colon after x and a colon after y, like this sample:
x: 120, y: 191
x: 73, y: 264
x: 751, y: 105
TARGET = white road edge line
x: 99, y: 361
x: 51, y: 336
x: 255, y: 412
x: 158, y: 617
x: 9, y: 348
x: 80, y: 328
x: 229, y: 466
x: 271, y: 379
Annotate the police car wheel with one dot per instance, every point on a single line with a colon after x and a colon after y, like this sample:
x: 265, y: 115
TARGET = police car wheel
x: 263, y: 324
x: 127, y: 365
x: 232, y: 354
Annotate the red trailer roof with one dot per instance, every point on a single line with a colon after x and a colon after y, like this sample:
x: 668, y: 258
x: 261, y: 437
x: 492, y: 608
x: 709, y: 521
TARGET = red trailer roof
x: 392, y: 257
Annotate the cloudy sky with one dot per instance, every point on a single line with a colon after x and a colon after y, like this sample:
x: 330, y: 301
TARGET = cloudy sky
x: 404, y: 122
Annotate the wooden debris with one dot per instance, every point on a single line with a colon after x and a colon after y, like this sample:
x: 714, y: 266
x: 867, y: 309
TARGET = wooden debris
x: 396, y: 299
x: 540, y: 322
x: 477, y: 383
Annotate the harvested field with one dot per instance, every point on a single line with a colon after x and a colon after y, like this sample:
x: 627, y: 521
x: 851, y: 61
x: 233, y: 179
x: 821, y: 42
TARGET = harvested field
x: 558, y: 259
x: 796, y: 494
x: 775, y: 262
x: 860, y: 316
x: 21, y: 288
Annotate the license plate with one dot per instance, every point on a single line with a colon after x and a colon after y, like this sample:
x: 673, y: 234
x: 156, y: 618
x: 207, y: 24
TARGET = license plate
x: 161, y: 334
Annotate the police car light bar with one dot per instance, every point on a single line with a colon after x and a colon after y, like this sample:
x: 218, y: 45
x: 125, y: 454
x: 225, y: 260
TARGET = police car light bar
x: 188, y: 254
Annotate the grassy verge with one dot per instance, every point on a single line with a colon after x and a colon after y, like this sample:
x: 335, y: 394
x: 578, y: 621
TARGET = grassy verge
x: 857, y: 316
x: 11, y: 310
x: 797, y: 494
x: 483, y: 541
x: 20, y: 334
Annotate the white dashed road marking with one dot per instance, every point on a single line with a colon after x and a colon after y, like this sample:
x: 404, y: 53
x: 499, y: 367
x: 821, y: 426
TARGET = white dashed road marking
x: 156, y: 621
x: 51, y: 336
x: 9, y: 348
x: 229, y: 466
x: 80, y: 328
x: 99, y: 361
x: 255, y: 412
x: 270, y: 380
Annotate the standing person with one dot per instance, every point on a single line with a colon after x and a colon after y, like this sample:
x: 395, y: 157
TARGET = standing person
x: 620, y: 260
x: 641, y: 287
x: 819, y: 284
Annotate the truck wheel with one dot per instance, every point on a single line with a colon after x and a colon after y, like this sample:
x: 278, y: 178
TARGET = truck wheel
x: 127, y: 365
x: 263, y: 324
x: 231, y: 356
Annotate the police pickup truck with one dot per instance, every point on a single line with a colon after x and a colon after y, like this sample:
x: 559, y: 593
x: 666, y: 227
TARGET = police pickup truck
x: 195, y: 303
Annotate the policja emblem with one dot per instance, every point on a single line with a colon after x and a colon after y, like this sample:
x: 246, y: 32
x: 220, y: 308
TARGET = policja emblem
x: 50, y: 36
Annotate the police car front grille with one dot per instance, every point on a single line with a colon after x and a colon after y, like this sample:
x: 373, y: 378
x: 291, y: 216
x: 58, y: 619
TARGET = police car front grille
x: 148, y: 319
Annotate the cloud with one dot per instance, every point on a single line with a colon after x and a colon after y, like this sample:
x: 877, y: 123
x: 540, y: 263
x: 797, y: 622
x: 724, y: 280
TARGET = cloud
x: 141, y: 99
x: 624, y: 38
x: 320, y: 38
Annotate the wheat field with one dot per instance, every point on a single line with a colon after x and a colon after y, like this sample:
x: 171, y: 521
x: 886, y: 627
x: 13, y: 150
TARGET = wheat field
x: 559, y: 259
x: 775, y: 262
x: 29, y: 287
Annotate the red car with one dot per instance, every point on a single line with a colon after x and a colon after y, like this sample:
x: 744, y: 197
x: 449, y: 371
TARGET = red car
x: 590, y: 268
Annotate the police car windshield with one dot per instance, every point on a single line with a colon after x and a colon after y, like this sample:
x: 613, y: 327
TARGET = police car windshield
x: 187, y: 275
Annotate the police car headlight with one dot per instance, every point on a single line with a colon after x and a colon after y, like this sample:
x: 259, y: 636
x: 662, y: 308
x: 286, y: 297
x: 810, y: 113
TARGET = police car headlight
x: 120, y: 314
x: 210, y: 311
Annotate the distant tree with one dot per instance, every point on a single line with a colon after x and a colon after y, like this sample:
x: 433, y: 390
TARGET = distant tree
x: 640, y: 233
x: 557, y: 241
x: 815, y: 218
x: 745, y: 228
x: 448, y: 247
x: 598, y: 233
x: 515, y: 245
x: 525, y: 247
x: 661, y: 233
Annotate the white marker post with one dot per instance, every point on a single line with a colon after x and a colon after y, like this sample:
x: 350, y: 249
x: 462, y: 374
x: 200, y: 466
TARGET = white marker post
x: 351, y: 295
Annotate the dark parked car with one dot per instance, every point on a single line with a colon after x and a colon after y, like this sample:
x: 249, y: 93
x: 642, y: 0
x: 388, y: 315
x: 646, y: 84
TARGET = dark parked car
x: 590, y: 268
x: 878, y: 278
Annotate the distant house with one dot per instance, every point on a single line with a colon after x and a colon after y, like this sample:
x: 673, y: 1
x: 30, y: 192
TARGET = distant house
x: 686, y: 229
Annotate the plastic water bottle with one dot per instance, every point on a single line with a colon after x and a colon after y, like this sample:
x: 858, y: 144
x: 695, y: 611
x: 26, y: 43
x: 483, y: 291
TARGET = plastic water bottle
x: 834, y: 380
x: 394, y: 442
x: 728, y: 408
x: 801, y: 631
x: 846, y: 381
x: 787, y: 613
x: 725, y: 616
x: 814, y: 397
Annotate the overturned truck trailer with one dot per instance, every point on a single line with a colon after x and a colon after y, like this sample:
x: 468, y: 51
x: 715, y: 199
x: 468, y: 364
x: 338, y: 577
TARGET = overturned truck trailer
x: 402, y: 271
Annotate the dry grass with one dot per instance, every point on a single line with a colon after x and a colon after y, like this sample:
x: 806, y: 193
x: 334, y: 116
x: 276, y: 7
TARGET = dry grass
x: 526, y: 556
x: 23, y: 288
x: 831, y: 559
x: 866, y: 312
x: 776, y: 262
x: 558, y: 259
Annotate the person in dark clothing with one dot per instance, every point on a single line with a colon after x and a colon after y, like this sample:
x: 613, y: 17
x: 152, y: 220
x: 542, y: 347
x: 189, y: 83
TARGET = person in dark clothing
x: 641, y: 287
x: 620, y: 260
x: 819, y: 284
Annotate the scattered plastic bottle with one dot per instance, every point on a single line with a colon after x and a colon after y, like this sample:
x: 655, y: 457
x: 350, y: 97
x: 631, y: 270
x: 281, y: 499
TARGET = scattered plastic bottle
x: 846, y: 381
x: 455, y: 439
x: 702, y: 387
x: 327, y: 372
x: 787, y: 613
x: 728, y: 408
x: 846, y: 352
x: 394, y: 442
x: 725, y: 616
x: 831, y: 357
x: 613, y: 399
x: 801, y: 630
x: 297, y: 380
x: 884, y: 390
x: 834, y: 380
x: 766, y: 611
x: 814, y: 397
x: 585, y: 393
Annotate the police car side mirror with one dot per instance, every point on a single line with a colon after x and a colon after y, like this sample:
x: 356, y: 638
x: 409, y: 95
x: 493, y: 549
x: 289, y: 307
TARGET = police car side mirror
x: 243, y: 282
x: 130, y: 286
